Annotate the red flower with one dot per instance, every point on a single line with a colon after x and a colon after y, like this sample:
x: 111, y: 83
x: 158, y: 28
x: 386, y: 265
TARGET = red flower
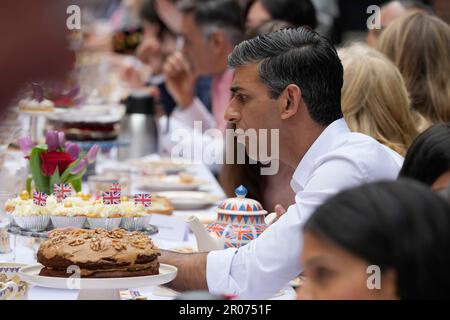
x: 63, y: 101
x: 53, y: 159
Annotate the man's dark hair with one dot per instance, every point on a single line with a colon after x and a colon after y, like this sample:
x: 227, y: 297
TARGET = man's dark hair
x: 428, y: 157
x: 224, y: 14
x: 299, y: 13
x: 401, y: 226
x: 297, y: 56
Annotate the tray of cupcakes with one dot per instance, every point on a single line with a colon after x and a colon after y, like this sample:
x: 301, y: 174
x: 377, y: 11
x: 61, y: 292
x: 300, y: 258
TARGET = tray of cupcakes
x: 36, y: 214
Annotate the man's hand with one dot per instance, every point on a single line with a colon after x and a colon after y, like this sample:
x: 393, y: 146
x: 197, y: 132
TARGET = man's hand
x: 132, y: 77
x: 180, y: 80
x: 274, y: 216
x: 191, y: 270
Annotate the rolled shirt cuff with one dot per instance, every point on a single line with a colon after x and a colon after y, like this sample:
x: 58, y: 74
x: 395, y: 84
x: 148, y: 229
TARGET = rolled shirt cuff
x: 218, y: 267
x: 195, y: 112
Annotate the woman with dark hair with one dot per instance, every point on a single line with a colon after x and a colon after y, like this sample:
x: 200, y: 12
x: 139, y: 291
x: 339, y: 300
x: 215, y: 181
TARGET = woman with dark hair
x: 299, y: 13
x: 428, y: 158
x: 387, y: 240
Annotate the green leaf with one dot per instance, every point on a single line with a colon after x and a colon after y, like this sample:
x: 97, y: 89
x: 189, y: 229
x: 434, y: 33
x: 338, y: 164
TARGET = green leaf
x: 76, y: 184
x: 77, y: 176
x: 66, y: 173
x: 28, y: 183
x: 40, y: 181
x: 55, y: 179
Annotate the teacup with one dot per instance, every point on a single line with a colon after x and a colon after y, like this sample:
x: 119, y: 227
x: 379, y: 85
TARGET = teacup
x: 9, y: 275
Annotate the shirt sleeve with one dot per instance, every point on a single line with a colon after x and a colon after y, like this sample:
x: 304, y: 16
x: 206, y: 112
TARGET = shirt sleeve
x: 197, y: 111
x: 265, y: 265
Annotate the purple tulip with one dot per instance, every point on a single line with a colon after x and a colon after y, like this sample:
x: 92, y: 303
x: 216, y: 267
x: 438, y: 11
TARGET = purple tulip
x: 73, y: 149
x: 73, y: 92
x: 26, y: 145
x: 61, y: 139
x: 52, y: 140
x: 92, y: 153
x: 80, y: 166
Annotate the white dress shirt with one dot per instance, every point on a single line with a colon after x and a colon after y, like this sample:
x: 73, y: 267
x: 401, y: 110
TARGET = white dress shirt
x: 187, y: 128
x: 337, y: 160
x: 197, y: 111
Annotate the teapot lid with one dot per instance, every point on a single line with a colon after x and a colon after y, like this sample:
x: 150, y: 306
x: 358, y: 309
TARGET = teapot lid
x: 240, y: 204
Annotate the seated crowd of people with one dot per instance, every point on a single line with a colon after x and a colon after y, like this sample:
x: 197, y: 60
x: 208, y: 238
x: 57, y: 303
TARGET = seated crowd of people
x: 364, y: 148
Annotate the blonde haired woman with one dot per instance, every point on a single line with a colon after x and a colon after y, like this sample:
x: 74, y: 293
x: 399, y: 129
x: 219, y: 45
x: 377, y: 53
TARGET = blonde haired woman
x: 375, y: 100
x: 419, y: 45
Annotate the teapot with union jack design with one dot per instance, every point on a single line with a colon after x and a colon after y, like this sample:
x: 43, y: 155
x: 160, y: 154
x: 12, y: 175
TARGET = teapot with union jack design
x: 239, y: 221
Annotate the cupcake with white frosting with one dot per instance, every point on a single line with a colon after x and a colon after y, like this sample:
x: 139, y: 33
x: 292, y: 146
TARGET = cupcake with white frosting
x: 134, y: 217
x: 31, y: 217
x: 103, y: 216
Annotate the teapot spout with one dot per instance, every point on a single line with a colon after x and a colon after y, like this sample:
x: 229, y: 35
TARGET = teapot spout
x: 205, y: 242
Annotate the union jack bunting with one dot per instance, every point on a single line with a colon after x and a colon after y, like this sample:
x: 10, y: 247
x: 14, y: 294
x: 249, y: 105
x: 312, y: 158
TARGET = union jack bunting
x: 62, y: 191
x: 216, y: 228
x: 39, y: 199
x: 143, y: 198
x: 115, y: 187
x: 111, y: 197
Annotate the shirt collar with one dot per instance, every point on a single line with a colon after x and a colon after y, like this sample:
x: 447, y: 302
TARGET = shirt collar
x: 322, y: 145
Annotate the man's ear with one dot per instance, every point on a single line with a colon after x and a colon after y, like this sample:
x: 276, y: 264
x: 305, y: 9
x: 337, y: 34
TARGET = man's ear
x: 389, y: 285
x: 218, y: 40
x: 291, y: 98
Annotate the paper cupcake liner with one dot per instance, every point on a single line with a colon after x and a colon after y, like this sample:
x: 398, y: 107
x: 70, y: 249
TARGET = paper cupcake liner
x: 65, y: 222
x: 105, y: 223
x: 13, y: 222
x: 135, y: 224
x: 33, y: 223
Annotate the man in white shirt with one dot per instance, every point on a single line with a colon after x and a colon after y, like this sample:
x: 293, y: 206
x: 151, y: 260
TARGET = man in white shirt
x: 289, y: 80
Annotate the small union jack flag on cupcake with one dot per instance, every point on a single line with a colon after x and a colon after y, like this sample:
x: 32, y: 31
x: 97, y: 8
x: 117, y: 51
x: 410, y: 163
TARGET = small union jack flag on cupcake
x: 143, y: 198
x: 39, y: 199
x: 111, y: 197
x: 62, y: 191
x: 115, y: 187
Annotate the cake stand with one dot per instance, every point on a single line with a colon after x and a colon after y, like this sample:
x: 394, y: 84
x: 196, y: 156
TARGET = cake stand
x: 16, y: 230
x: 34, y: 118
x: 97, y: 289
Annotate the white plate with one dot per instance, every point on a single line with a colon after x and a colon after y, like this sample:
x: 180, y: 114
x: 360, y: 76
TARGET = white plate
x: 47, y: 114
x: 154, y: 167
x: 91, y: 113
x: 190, y: 200
x: 168, y: 183
x: 31, y: 275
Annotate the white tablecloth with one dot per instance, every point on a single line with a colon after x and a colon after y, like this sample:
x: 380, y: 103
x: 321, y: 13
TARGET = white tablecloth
x: 25, y: 254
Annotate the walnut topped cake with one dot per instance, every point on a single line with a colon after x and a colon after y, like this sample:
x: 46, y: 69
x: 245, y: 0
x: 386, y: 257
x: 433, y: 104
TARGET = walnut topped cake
x: 99, y: 254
